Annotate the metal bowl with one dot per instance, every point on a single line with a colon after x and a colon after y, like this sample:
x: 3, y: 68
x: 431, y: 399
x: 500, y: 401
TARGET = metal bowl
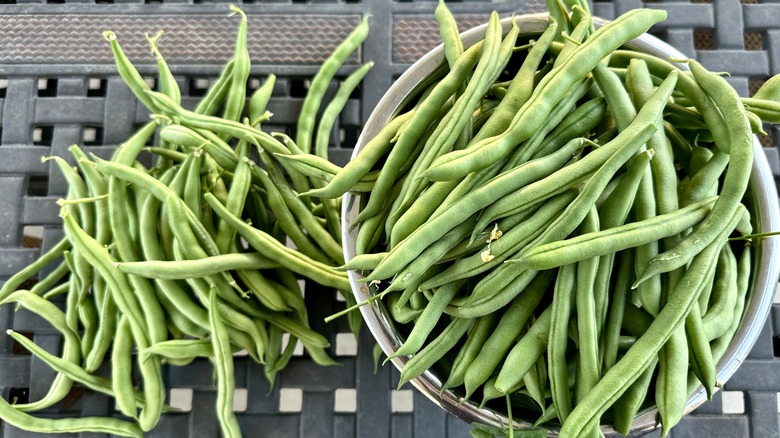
x: 762, y: 199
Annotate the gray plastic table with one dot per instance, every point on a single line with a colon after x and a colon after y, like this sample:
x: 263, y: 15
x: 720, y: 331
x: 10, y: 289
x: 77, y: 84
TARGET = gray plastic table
x: 58, y: 87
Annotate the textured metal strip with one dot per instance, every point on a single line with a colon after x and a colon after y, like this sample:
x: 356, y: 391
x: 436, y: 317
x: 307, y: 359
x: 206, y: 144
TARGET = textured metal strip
x: 189, y: 39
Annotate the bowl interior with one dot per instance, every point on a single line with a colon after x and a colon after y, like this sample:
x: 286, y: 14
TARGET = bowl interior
x: 762, y: 200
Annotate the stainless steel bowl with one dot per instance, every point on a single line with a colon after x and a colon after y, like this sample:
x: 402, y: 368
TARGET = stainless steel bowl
x: 762, y: 195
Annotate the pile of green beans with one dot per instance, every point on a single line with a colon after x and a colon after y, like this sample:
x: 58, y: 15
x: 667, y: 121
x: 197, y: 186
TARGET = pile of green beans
x: 200, y: 255
x: 556, y: 225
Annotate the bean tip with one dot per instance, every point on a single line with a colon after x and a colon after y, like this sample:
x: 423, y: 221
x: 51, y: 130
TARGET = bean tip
x: 236, y: 10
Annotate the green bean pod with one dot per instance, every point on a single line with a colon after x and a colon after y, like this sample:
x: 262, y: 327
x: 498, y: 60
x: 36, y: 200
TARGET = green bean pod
x: 582, y: 60
x: 319, y: 84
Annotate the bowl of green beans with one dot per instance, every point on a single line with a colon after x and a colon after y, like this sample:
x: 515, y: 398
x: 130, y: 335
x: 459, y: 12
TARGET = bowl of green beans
x: 517, y: 302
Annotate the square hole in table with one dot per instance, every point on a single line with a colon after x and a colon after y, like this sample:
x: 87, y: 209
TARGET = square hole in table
x: 181, y: 398
x: 290, y: 400
x: 346, y: 345
x: 240, y: 399
x: 402, y: 400
x: 733, y: 402
x: 345, y: 400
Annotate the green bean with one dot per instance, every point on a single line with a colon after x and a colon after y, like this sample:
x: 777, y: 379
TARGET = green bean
x: 71, y: 348
x: 511, y: 241
x: 735, y: 180
x: 73, y: 371
x: 216, y: 125
x: 361, y: 165
x: 614, y: 319
x: 121, y: 369
x: 489, y: 391
x: 424, y: 208
x: 562, y: 125
x: 365, y: 262
x: 260, y: 98
x: 402, y: 314
x: 689, y: 87
x: 106, y: 330
x: 285, y: 218
x: 498, y: 187
x: 744, y: 265
x: 131, y: 77
x: 427, y: 320
x: 578, y: 123
x: 644, y: 206
x: 613, y: 212
x: 627, y: 406
x: 181, y: 349
x: 614, y: 152
x: 448, y: 31
x: 236, y: 95
x: 128, y: 251
x: 702, y: 362
x: 519, y: 91
x: 192, y: 188
x: 412, y: 273
x: 372, y: 230
x: 270, y: 247
x: 494, y: 57
x: 718, y: 317
x: 552, y: 88
x: 578, y: 34
x: 45, y: 284
x: 560, y: 17
x: 236, y: 320
x: 705, y: 180
x: 629, y: 368
x: 434, y: 350
x: 486, y: 298
x: 479, y: 332
x: 525, y: 353
x: 263, y: 289
x: 408, y: 138
x: 319, y: 84
x: 588, y: 325
x: 767, y: 110
x: 614, y: 239
x: 334, y: 108
x: 168, y: 291
x: 77, y: 189
x: 496, y: 346
x: 98, y: 256
x: 32, y: 269
x: 88, y: 316
x: 520, y: 88
x: 223, y: 364
x: 672, y: 375
x: 562, y: 307
x: 17, y: 418
x: 536, y: 383
x: 215, y: 96
x: 236, y: 200
x: 97, y: 187
x: 55, y: 291
x: 321, y: 169
x: 168, y: 83
x: 179, y: 270
x: 314, y: 229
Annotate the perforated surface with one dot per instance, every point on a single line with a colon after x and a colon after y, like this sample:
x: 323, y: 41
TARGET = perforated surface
x: 58, y: 87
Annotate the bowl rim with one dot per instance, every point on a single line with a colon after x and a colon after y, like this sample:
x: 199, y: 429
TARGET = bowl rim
x: 766, y: 266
